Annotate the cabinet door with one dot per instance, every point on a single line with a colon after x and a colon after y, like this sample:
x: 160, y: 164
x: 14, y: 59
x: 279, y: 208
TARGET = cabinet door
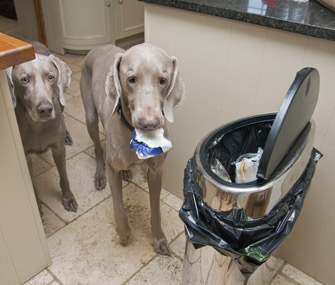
x: 85, y: 23
x: 129, y: 16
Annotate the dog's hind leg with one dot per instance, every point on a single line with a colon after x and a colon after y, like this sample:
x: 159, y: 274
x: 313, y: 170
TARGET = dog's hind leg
x: 92, y: 123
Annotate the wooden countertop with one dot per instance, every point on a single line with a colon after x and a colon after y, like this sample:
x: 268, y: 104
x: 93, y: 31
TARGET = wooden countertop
x: 14, y: 51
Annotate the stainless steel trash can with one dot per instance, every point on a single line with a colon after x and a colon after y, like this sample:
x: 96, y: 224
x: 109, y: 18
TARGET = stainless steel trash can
x: 287, y: 151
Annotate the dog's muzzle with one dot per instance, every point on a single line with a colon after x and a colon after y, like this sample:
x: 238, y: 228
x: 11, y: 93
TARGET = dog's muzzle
x: 44, y: 110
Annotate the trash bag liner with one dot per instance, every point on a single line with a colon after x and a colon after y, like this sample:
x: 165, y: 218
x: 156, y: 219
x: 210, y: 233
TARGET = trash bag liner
x: 228, y: 147
x: 249, y: 242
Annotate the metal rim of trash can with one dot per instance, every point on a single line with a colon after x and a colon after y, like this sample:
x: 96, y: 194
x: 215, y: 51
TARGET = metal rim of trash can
x: 301, y: 154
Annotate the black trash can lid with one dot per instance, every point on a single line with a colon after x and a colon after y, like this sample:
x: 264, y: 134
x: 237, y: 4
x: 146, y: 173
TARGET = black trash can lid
x: 294, y: 114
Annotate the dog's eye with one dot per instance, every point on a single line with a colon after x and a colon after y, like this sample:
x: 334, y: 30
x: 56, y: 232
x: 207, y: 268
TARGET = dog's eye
x: 51, y: 77
x: 25, y: 80
x: 162, y: 81
x: 131, y: 79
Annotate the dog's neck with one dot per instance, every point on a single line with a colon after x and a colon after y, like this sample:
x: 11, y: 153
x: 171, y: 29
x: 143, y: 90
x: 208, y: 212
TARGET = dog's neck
x: 124, y: 115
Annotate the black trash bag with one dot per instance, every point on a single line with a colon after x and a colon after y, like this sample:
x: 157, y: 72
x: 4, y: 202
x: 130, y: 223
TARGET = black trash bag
x: 249, y: 242
x: 228, y: 147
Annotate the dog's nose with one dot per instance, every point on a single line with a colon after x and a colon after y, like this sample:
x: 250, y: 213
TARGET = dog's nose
x: 44, y: 109
x: 150, y: 123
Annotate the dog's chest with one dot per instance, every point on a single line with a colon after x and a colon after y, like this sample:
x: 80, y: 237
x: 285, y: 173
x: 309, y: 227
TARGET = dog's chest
x: 38, y: 139
x: 122, y: 157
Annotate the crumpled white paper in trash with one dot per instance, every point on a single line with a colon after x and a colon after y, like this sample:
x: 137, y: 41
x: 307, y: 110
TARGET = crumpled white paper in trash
x: 247, y: 166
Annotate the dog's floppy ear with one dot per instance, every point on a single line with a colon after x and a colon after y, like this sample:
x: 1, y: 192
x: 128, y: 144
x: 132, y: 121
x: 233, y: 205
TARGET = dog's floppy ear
x: 9, y: 71
x: 112, y: 85
x: 176, y: 93
x: 64, y: 77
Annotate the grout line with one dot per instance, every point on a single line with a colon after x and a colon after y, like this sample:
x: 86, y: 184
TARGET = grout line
x: 172, y: 241
x: 277, y: 272
x: 140, y: 269
x: 282, y: 274
x: 150, y: 260
x: 84, y: 123
x: 43, y: 171
x: 53, y: 276
x: 54, y: 213
x: 76, y: 218
x: 161, y: 199
x: 287, y: 278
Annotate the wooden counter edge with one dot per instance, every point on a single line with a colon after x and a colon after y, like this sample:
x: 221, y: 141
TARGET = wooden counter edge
x: 14, y: 51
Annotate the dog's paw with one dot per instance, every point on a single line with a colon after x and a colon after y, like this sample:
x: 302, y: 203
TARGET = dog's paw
x: 126, y: 175
x: 125, y: 239
x: 161, y: 246
x: 100, y: 181
x: 68, y: 139
x: 70, y: 204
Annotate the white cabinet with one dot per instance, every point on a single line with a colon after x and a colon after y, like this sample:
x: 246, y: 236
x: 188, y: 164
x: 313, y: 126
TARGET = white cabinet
x: 79, y: 25
x: 85, y: 23
x: 129, y: 18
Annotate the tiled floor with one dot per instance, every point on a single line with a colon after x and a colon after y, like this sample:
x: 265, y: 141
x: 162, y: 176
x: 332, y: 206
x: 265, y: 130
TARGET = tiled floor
x: 84, y: 246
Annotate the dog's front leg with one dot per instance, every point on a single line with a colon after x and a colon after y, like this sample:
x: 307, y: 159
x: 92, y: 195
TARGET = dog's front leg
x: 69, y: 201
x: 122, y: 226
x: 155, y: 186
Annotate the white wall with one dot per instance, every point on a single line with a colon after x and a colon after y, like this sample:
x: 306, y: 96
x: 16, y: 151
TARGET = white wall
x: 232, y: 70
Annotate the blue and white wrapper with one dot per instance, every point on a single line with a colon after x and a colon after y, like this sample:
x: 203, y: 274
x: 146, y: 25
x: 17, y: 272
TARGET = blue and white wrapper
x: 149, y: 143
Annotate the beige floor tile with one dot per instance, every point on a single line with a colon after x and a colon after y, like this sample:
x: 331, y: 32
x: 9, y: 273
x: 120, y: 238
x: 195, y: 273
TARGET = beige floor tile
x: 162, y: 270
x: 173, y: 201
x: 137, y: 205
x: 68, y: 97
x: 75, y: 108
x: 39, y: 165
x: 51, y: 222
x: 80, y: 169
x: 143, y: 183
x: 274, y: 263
x: 262, y: 276
x: 164, y: 193
x: 42, y: 278
x: 88, y: 252
x: 74, y: 67
x: 281, y: 280
x: 178, y: 246
x: 74, y: 88
x: 299, y: 276
x: 80, y: 137
x: 76, y: 75
x: 72, y: 58
x: 139, y: 174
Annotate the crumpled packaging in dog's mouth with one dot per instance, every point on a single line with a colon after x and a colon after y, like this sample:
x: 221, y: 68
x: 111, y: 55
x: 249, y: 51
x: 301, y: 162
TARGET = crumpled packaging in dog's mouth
x: 149, y: 143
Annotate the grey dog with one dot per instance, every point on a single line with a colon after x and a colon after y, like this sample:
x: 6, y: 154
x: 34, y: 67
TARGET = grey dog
x: 37, y: 89
x: 142, y: 86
